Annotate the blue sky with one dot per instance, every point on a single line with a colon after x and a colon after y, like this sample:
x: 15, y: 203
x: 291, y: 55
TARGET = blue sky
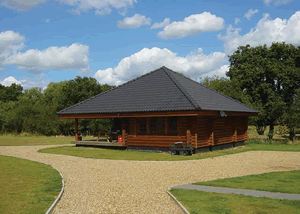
x: 43, y: 41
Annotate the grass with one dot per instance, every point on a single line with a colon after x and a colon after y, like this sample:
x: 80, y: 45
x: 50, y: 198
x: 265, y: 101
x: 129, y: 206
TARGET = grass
x: 286, y: 182
x: 100, y: 153
x: 12, y: 140
x: 27, y: 186
x: 207, y: 203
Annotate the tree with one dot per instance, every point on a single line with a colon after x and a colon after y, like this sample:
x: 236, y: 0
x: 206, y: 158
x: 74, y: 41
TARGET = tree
x: 291, y: 118
x: 10, y: 93
x: 67, y: 93
x: 225, y: 86
x: 80, y: 89
x: 34, y: 110
x: 269, y: 76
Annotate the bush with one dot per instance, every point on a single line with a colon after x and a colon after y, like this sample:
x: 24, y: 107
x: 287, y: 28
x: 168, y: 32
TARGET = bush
x: 267, y: 141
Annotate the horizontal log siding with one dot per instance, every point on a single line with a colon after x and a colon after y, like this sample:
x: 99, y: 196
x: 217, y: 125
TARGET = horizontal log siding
x: 204, y: 131
x: 210, y: 131
x: 154, y: 140
x: 242, y: 127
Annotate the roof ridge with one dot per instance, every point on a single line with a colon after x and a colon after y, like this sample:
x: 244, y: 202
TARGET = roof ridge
x: 217, y: 92
x: 104, y: 92
x: 185, y: 93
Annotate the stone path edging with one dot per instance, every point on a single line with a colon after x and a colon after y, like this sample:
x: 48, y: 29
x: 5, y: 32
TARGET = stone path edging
x: 50, y: 210
x: 255, y: 193
x: 177, y: 202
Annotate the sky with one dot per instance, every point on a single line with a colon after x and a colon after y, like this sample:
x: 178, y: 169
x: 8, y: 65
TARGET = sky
x: 114, y: 41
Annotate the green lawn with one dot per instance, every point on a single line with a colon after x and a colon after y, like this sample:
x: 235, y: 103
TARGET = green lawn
x: 203, y: 202
x: 27, y: 186
x: 287, y: 182
x: 11, y: 140
x: 100, y: 153
x: 206, y: 203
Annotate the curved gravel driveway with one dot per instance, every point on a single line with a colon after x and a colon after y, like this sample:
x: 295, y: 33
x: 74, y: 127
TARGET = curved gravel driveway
x: 116, y: 186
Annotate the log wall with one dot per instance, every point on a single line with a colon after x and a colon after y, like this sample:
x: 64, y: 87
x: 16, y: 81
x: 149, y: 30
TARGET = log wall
x: 204, y: 131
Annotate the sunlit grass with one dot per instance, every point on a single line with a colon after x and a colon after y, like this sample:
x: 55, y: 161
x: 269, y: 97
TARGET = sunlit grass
x: 198, y: 202
x: 101, y: 153
x: 19, y: 140
x: 27, y: 186
x: 286, y: 182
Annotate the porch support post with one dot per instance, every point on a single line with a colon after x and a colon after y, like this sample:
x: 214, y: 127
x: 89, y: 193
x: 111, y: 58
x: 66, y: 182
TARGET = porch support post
x: 148, y: 125
x: 76, y: 130
x: 188, y: 137
x: 166, y: 125
x: 235, y: 134
x: 124, y: 142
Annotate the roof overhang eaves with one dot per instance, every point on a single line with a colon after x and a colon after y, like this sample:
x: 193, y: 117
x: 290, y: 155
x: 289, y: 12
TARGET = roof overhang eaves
x: 156, y: 114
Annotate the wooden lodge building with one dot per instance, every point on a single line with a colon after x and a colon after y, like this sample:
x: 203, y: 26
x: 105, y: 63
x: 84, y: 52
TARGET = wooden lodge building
x: 163, y: 107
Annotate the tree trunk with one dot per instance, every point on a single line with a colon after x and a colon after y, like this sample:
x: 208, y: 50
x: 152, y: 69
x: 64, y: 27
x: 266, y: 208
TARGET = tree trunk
x: 292, y: 135
x: 271, y: 132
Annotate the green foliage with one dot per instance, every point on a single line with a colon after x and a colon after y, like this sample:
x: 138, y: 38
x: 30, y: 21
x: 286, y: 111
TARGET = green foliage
x: 230, y: 88
x: 10, y: 93
x: 34, y: 110
x: 291, y: 117
x: 270, y: 77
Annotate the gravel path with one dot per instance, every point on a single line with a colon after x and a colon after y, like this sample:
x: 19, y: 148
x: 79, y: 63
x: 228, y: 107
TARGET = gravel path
x: 114, y: 186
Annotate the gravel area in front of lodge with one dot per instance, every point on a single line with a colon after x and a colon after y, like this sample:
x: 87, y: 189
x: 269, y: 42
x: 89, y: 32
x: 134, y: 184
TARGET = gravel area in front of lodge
x: 119, y: 186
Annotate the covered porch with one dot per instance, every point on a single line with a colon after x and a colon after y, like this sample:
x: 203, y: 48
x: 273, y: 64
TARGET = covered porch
x: 161, y: 129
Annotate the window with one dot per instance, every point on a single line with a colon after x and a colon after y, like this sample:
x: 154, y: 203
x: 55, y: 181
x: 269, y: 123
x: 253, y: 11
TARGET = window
x: 157, y: 125
x: 172, y: 122
x: 142, y: 125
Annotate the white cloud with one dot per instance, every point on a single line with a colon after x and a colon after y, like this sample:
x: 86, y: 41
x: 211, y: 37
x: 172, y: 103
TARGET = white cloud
x: 236, y: 21
x: 220, y: 72
x: 39, y: 80
x: 250, y: 13
x: 74, y: 56
x: 21, y: 5
x: 265, y: 32
x: 70, y: 57
x: 47, y: 21
x: 135, y: 21
x: 101, y: 7
x: 10, y: 43
x: 194, y: 65
x: 9, y: 80
x: 277, y: 2
x: 75, y: 12
x: 103, y: 12
x: 191, y: 25
x: 161, y: 24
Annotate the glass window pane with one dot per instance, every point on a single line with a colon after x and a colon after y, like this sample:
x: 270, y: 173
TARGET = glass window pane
x: 172, y: 122
x: 157, y: 125
x: 142, y: 125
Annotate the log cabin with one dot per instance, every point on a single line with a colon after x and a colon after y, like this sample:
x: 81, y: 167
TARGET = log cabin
x: 162, y: 107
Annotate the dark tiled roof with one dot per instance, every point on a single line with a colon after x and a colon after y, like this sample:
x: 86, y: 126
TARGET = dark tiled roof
x: 159, y: 90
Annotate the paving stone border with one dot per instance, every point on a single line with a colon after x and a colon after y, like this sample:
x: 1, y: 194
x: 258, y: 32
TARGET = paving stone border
x: 255, y: 193
x: 50, y: 210
x: 177, y: 202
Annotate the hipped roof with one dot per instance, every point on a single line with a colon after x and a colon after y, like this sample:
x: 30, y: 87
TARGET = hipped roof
x: 159, y: 90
